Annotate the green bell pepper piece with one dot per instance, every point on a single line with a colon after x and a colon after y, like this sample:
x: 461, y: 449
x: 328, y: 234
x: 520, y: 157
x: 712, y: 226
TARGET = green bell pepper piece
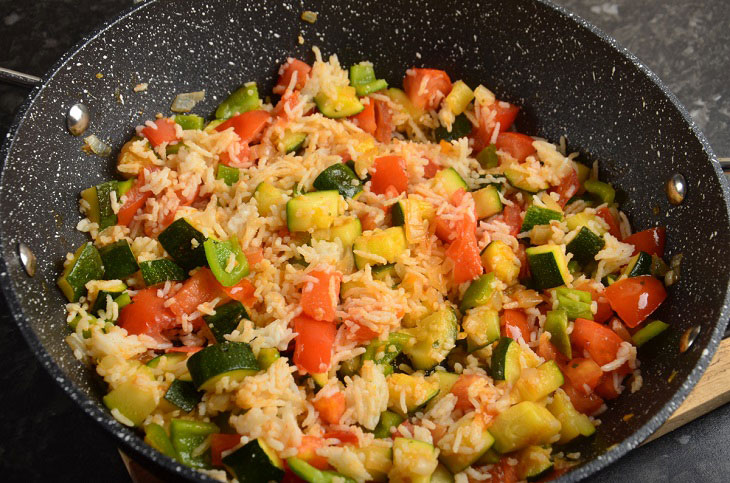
x: 218, y: 253
x: 245, y: 98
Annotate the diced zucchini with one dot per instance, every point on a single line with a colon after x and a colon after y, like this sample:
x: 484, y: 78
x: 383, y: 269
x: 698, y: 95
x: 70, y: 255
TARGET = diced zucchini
x: 585, y: 245
x: 255, y: 461
x: 572, y: 422
x: 411, y: 210
x: 459, y: 128
x: 537, y: 215
x: 442, y: 475
x: 292, y: 141
x: 159, y: 271
x: 603, y: 191
x: 475, y: 442
x: 648, y: 332
x: 346, y: 230
x: 311, y: 211
x: 548, y: 266
x: 582, y: 170
x: 85, y: 266
x: 225, y: 320
x: 435, y: 337
x: 446, y: 381
x: 400, y: 98
x: 487, y: 202
x: 388, y: 419
x: 350, y: 367
x: 534, y: 463
x: 310, y: 474
x: 267, y: 195
x: 100, y: 300
x: 556, y: 323
x: 413, y: 461
x: 506, y: 360
x: 228, y: 359
x: 156, y: 436
x: 183, y: 395
x: 524, y: 424
x: 383, y: 352
x: 134, y: 398
x: 320, y: 378
x: 417, y: 389
x: 582, y: 219
x: 187, y: 436
x: 499, y: 258
x: 488, y: 158
x: 609, y: 279
x: 341, y: 178
x: 377, y: 460
x: 480, y: 292
x: 450, y: 181
x: 382, y: 272
x: 639, y: 265
x: 481, y: 326
x: 575, y: 303
x: 177, y: 240
x: 344, y: 104
x: 388, y: 244
x: 459, y: 97
x: 100, y: 204
x: 228, y: 174
x: 118, y: 260
x: 190, y: 121
x: 243, y: 99
x: 267, y: 357
x: 168, y: 359
x: 538, y: 382
x: 520, y: 180
x: 491, y: 457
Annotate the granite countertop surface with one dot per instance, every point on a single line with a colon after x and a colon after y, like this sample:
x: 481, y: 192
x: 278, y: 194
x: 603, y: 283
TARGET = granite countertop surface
x: 44, y: 436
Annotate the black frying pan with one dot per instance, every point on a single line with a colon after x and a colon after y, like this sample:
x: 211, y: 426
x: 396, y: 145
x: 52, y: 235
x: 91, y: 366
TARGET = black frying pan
x: 570, y: 79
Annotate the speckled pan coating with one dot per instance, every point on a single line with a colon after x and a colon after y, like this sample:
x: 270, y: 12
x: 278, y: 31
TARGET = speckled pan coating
x: 571, y: 79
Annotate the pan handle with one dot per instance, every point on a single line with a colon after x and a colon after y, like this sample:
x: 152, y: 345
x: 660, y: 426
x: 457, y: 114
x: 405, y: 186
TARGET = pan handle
x: 9, y: 76
x: 724, y: 164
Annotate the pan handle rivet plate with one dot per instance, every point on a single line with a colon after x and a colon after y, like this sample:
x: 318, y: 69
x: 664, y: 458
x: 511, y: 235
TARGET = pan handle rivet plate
x: 27, y: 258
x: 688, y: 338
x: 676, y: 189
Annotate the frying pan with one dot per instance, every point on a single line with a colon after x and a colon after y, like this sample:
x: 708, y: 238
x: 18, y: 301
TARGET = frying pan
x: 570, y: 78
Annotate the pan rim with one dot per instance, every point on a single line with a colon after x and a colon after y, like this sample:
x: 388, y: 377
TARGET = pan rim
x: 128, y: 439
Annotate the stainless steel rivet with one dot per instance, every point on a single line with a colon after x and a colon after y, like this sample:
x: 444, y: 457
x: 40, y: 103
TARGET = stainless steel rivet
x: 27, y: 258
x: 688, y: 338
x: 77, y: 119
x: 676, y: 189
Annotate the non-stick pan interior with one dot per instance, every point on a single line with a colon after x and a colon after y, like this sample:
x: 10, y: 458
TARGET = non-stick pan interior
x: 569, y: 79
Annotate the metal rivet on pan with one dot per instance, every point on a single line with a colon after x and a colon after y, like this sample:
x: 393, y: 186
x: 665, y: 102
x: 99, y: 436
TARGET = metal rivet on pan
x: 676, y: 189
x: 688, y: 338
x: 77, y: 119
x: 27, y: 258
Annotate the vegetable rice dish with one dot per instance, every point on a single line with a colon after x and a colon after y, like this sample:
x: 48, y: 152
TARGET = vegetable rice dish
x: 348, y: 281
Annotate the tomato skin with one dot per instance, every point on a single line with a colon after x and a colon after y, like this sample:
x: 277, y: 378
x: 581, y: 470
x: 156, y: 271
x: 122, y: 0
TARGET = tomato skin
x: 243, y: 291
x: 605, y: 389
x: 437, y: 86
x: 504, y: 115
x: 613, y: 227
x: 365, y: 119
x: 307, y: 451
x: 219, y: 443
x: 650, y: 241
x: 584, y: 403
x: 135, y: 199
x: 165, y: 132
x: 331, y: 408
x: 313, y: 344
x: 460, y: 389
x: 515, y: 319
x: 286, y: 71
x: 200, y: 288
x: 583, y: 372
x: 568, y: 187
x: 464, y: 252
x: 599, y: 341
x: 430, y: 170
x: 320, y: 303
x: 146, y: 314
x: 512, y: 216
x: 634, y: 299
x: 248, y: 125
x: 549, y: 352
x: 389, y: 171
x: 519, y: 146
x: 383, y: 121
x: 345, y: 437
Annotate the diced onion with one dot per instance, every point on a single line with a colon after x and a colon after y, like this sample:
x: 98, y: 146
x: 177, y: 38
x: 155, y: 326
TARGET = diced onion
x: 309, y: 16
x: 95, y: 145
x: 186, y: 101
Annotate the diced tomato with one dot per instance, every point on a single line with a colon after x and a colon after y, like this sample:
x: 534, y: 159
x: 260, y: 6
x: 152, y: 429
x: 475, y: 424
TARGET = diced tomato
x: 248, y: 125
x: 583, y: 373
x: 238, y: 155
x: 503, y: 472
x: 365, y: 119
x: 464, y: 252
x: 584, y: 403
x: 613, y: 227
x: 313, y: 344
x: 461, y: 390
x: 254, y: 255
x: 430, y: 170
x: 389, y: 171
x: 243, y: 291
x: 287, y: 102
x: 185, y: 349
x: 319, y: 300
x: 512, y: 216
x: 165, y: 132
x: 345, y: 437
x: 286, y: 72
x: 219, y: 443
x: 599, y: 341
x: 367, y: 221
x: 200, y: 288
x: 504, y: 114
x: 620, y: 329
x: 443, y: 229
x: 549, y: 352
x: 512, y: 319
x: 606, y: 389
x: 634, y: 299
x: 519, y: 146
x: 307, y: 451
x: 384, y: 122
x: 360, y: 333
x: 567, y: 188
x: 135, y: 199
x: 146, y: 314
x: 426, y: 87
x: 650, y: 241
x: 331, y: 408
x: 524, y: 265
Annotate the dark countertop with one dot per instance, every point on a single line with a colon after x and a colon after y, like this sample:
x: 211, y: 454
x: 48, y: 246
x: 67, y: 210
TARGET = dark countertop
x: 43, y: 436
